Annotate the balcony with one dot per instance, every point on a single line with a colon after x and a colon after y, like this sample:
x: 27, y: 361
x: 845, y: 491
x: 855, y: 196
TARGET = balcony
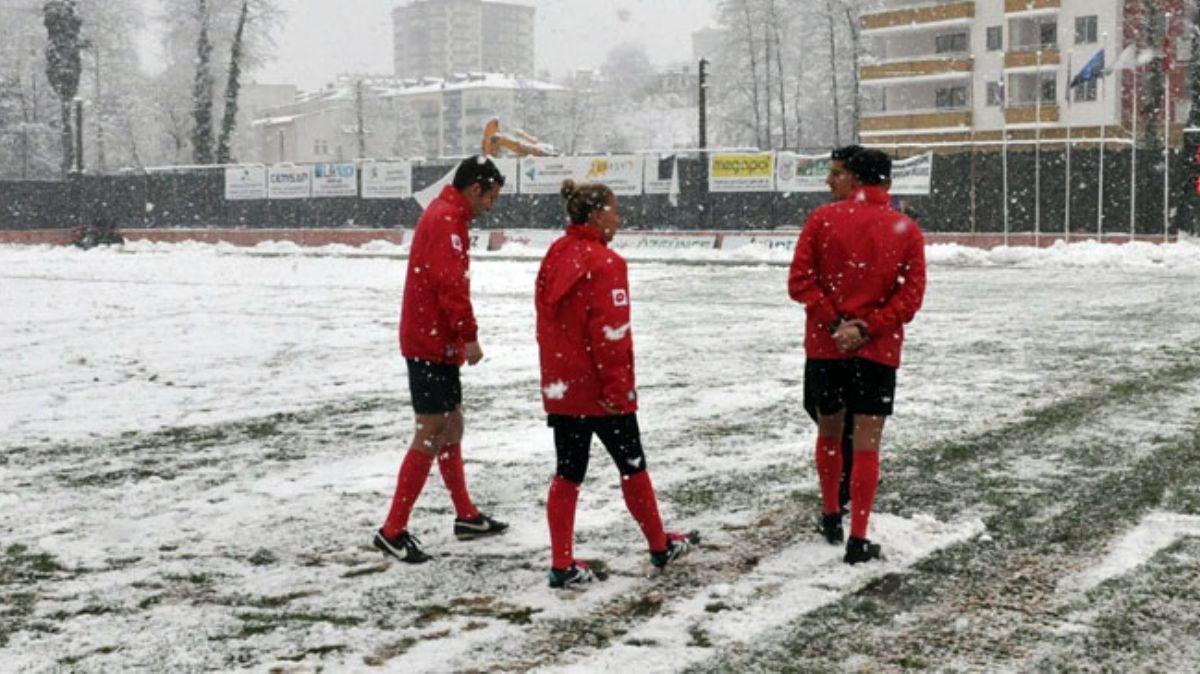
x: 917, y: 68
x: 1031, y: 7
x: 922, y: 16
x: 916, y: 120
x: 1028, y: 114
x: 1020, y: 59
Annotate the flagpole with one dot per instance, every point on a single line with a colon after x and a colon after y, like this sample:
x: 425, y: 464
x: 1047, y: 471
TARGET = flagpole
x: 1067, y: 205
x: 1004, y: 149
x: 1167, y: 130
x: 1037, y: 157
x: 1133, y: 158
x: 1103, y: 134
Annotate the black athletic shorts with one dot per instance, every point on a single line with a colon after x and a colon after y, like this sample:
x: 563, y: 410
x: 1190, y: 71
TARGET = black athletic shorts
x: 435, y: 387
x: 857, y: 385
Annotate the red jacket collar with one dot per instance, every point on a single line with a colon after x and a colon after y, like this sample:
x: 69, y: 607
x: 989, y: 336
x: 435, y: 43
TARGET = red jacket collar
x: 586, y: 232
x: 457, y: 201
x: 872, y: 194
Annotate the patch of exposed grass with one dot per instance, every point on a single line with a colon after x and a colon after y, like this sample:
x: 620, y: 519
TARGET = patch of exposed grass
x: 392, y: 650
x: 263, y: 622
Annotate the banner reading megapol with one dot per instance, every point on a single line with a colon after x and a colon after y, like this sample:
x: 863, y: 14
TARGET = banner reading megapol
x: 801, y: 172
x: 741, y: 172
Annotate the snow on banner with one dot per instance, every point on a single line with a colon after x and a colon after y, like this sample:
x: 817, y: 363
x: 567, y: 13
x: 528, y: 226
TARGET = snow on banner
x: 913, y: 175
x: 334, y: 180
x: 544, y: 175
x: 245, y: 182
x: 286, y: 181
x: 741, y: 172
x: 801, y: 172
x: 387, y: 180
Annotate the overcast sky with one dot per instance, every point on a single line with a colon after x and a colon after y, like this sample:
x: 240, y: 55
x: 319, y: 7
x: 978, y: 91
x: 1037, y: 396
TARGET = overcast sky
x: 321, y: 38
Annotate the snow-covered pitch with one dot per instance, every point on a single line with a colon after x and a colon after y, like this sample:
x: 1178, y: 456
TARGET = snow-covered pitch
x: 199, y: 441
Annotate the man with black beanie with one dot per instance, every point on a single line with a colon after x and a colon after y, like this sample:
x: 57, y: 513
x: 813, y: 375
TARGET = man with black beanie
x: 859, y: 271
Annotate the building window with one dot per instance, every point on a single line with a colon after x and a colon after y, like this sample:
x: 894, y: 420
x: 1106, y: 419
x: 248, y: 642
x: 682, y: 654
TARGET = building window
x: 320, y: 147
x: 995, y: 38
x: 1048, y: 32
x: 951, y: 97
x: 995, y: 95
x: 1085, y: 29
x: 955, y: 43
x: 1086, y: 92
x: 1049, y: 90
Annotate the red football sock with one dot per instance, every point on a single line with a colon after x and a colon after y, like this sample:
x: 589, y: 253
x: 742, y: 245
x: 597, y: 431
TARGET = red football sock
x: 450, y: 463
x: 828, y: 458
x: 413, y: 472
x: 640, y: 500
x: 560, y: 513
x: 864, y: 478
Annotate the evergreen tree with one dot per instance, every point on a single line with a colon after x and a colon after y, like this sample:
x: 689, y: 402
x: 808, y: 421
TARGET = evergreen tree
x: 63, y: 65
x: 202, y: 92
x: 232, y: 87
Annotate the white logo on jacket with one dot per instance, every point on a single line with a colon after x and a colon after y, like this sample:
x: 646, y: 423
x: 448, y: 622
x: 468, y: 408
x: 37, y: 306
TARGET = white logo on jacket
x: 620, y: 297
x: 456, y: 241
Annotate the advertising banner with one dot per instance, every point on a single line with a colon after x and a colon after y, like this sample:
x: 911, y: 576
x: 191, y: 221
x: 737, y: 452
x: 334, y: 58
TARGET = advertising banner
x: 801, y: 172
x: 913, y: 176
x: 741, y: 172
x: 621, y: 172
x: 246, y: 182
x: 660, y: 174
x: 544, y: 175
x: 286, y: 181
x: 387, y: 180
x: 334, y: 180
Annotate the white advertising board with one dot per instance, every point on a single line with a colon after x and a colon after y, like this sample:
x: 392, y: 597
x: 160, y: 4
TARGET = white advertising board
x: 246, y: 182
x: 913, y: 176
x: 387, y: 180
x: 801, y: 172
x: 544, y: 175
x: 334, y: 180
x: 286, y: 181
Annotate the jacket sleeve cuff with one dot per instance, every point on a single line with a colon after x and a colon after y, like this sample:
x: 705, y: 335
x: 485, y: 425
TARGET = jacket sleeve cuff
x: 825, y: 313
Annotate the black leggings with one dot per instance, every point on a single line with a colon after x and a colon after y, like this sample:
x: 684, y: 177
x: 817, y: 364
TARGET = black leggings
x: 573, y: 443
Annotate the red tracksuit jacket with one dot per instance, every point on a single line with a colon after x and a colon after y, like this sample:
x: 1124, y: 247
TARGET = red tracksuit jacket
x: 859, y: 258
x: 583, y: 327
x: 436, y: 319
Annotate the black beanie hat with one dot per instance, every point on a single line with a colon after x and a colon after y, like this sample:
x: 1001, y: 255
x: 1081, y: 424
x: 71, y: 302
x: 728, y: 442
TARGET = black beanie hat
x: 871, y: 167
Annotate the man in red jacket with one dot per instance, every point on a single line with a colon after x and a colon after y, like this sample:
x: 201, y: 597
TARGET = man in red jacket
x: 437, y: 335
x: 859, y: 271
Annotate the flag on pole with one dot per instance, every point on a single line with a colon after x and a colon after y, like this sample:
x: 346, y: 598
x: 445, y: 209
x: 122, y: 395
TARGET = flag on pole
x: 1092, y: 70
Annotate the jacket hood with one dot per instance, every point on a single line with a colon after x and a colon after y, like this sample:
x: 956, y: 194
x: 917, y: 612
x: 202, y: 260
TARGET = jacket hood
x: 566, y: 265
x: 456, y: 201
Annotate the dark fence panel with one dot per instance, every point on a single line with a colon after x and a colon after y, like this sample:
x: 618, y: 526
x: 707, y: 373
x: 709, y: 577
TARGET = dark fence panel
x: 967, y: 196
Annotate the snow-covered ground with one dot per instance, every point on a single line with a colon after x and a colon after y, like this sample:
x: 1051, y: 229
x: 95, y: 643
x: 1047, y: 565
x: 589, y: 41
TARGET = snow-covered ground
x: 197, y: 442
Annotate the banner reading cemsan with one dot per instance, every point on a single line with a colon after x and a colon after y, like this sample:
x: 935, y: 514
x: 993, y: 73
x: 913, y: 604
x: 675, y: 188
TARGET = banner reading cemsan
x: 741, y: 172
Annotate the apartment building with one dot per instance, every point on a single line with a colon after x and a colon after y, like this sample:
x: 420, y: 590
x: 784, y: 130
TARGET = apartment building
x: 955, y: 71
x: 438, y: 38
